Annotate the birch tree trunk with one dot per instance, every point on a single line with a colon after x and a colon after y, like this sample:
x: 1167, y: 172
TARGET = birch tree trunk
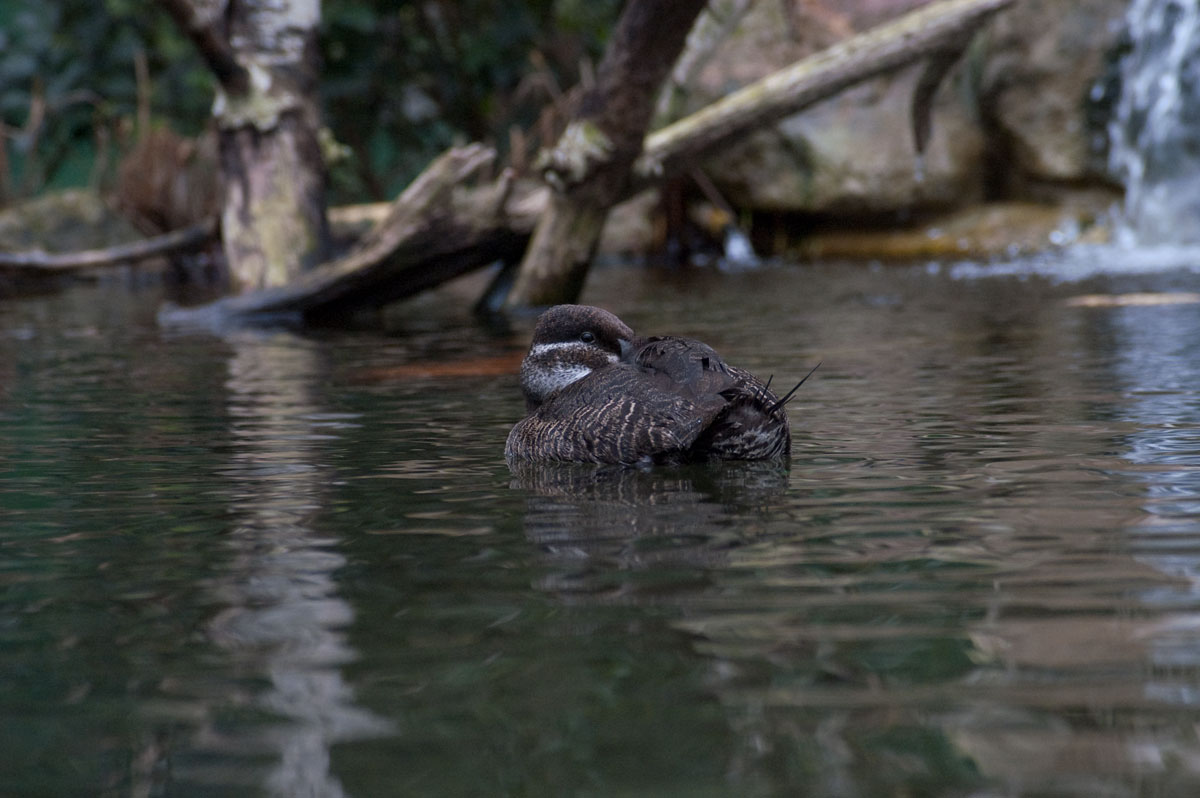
x: 264, y: 56
x: 589, y: 167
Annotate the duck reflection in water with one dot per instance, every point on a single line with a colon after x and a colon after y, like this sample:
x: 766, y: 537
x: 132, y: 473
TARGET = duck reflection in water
x: 622, y: 517
x: 597, y: 393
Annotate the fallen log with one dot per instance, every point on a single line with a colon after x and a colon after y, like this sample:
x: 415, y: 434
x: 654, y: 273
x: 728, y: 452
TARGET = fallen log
x: 431, y: 234
x: 190, y: 238
x: 936, y: 33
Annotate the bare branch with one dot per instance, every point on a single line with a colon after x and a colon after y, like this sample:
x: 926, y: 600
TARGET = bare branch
x: 211, y: 41
x: 188, y: 238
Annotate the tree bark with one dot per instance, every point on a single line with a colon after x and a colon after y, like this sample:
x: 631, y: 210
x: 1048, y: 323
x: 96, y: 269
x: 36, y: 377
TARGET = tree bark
x: 589, y: 166
x: 264, y: 55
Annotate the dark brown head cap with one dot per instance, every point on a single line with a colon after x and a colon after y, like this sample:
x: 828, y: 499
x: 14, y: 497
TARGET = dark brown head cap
x: 563, y: 323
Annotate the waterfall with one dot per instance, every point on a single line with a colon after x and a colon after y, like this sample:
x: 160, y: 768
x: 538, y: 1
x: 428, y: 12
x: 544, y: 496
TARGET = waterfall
x: 1154, y: 133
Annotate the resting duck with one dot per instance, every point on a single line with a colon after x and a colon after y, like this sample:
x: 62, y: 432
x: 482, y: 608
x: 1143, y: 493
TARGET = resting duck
x: 597, y: 393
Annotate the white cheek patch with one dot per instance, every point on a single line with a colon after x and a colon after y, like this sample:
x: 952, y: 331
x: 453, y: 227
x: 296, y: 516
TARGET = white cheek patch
x: 541, y: 349
x: 544, y: 381
x: 544, y: 373
x: 561, y: 376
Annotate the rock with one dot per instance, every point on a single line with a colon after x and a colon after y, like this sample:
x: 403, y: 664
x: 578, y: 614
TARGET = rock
x: 855, y: 155
x: 1011, y: 115
x: 64, y: 221
x: 1005, y: 229
x: 631, y: 226
x: 1043, y: 59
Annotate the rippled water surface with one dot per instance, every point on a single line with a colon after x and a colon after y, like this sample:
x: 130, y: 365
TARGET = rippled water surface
x: 280, y: 564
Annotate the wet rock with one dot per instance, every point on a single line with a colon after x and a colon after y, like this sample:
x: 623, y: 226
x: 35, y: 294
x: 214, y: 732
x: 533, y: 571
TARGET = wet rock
x: 855, y: 156
x: 980, y: 232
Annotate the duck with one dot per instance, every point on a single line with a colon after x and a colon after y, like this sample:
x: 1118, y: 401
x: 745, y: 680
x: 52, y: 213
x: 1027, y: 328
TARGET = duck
x: 596, y: 392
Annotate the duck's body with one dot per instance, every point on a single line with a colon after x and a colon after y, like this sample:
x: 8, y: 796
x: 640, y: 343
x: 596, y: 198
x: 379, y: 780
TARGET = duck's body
x: 597, y: 393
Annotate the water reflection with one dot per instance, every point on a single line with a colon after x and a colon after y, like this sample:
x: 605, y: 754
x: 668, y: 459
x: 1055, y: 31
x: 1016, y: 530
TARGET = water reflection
x: 283, y: 617
x: 1160, y: 367
x: 599, y: 516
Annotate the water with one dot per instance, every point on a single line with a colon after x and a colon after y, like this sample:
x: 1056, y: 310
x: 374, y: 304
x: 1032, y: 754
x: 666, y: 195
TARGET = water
x: 279, y: 564
x: 1154, y: 145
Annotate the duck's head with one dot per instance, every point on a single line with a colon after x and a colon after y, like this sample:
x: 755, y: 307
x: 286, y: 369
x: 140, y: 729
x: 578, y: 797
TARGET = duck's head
x: 569, y: 342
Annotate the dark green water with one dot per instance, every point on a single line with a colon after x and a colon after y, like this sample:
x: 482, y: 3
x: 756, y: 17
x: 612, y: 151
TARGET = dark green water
x: 274, y: 564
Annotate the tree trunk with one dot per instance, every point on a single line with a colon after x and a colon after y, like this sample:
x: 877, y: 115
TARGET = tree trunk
x: 590, y: 164
x: 264, y: 55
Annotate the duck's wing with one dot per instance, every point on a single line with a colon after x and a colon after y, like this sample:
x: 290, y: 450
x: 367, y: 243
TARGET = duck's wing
x: 685, y: 366
x: 753, y: 425
x: 614, y: 415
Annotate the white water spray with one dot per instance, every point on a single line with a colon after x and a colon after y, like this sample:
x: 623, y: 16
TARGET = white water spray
x: 1155, y: 130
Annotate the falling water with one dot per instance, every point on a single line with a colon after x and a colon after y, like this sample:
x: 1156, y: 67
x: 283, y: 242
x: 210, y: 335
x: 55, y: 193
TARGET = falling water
x: 1155, y: 129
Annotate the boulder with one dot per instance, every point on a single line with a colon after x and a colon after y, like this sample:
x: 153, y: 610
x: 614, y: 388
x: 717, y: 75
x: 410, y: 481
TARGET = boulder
x: 854, y: 155
x: 1013, y: 113
x: 1043, y: 60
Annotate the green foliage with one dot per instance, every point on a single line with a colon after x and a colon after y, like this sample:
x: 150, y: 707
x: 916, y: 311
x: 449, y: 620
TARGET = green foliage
x: 68, y: 87
x: 401, y: 81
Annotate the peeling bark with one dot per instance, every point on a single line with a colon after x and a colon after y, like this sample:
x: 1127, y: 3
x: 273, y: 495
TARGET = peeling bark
x: 264, y: 55
x: 273, y: 219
